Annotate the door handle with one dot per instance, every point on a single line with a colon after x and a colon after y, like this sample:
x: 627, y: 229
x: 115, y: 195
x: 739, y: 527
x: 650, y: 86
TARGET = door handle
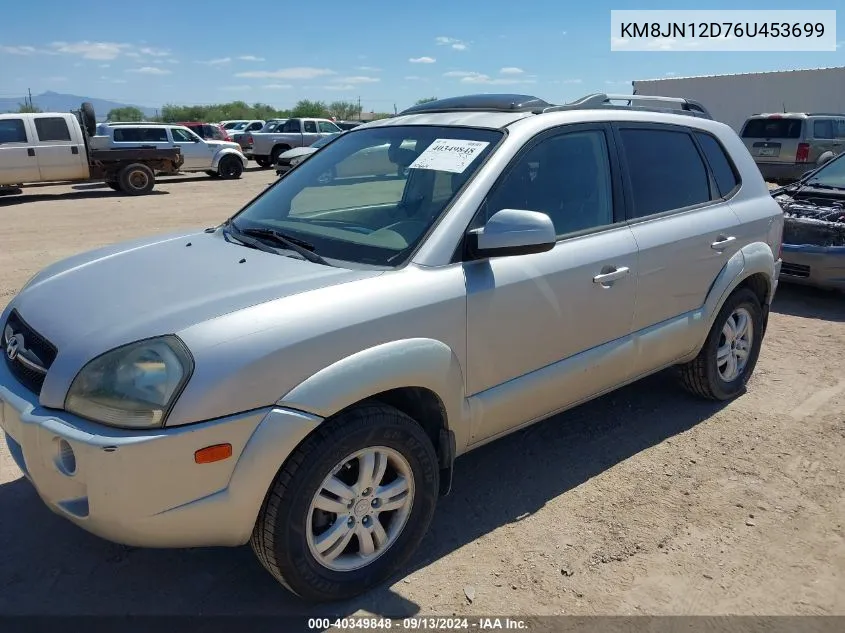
x: 722, y: 242
x: 74, y: 150
x: 30, y: 151
x: 610, y: 276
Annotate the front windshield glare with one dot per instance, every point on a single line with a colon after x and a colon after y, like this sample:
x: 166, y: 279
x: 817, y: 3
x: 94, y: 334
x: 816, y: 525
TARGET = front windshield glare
x: 831, y: 175
x: 370, y: 195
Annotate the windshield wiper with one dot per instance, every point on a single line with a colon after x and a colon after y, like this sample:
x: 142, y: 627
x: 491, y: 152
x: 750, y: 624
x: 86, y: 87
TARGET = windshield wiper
x: 295, y: 244
x: 817, y: 185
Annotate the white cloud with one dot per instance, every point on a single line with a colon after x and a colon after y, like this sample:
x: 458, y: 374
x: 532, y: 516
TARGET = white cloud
x: 663, y: 43
x: 133, y: 54
x: 840, y: 44
x: 216, y: 62
x: 669, y: 74
x: 368, y: 69
x: 234, y: 88
x: 340, y: 87
x: 511, y: 70
x: 459, y: 73
x: 154, y: 52
x: 250, y: 58
x: 480, y: 78
x: 458, y: 45
x: 55, y: 79
x: 563, y: 32
x: 91, y: 50
x: 619, y: 41
x: 105, y: 65
x: 277, y: 86
x: 18, y: 50
x: 149, y: 70
x: 357, y: 80
x: 301, y: 72
x: 422, y: 60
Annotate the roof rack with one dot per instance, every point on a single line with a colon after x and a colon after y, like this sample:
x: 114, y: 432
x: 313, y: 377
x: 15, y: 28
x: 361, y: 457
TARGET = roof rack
x: 602, y: 100
x: 825, y: 114
x: 482, y: 103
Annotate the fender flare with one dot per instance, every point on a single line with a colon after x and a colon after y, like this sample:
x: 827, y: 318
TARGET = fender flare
x: 752, y: 259
x: 825, y: 158
x: 419, y: 362
x: 215, y: 163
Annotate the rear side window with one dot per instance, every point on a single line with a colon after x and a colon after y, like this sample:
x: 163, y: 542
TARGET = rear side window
x: 253, y: 127
x: 823, y: 128
x: 665, y: 169
x: 723, y: 169
x: 311, y: 127
x: 140, y: 135
x: 52, y: 129
x: 12, y: 131
x: 840, y: 128
x: 772, y: 128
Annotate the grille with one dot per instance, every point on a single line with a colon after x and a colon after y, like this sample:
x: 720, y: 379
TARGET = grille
x: 794, y: 270
x: 35, y: 344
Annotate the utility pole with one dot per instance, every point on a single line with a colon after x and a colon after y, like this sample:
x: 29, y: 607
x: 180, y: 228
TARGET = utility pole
x: 29, y: 92
x: 394, y: 109
x: 359, y: 108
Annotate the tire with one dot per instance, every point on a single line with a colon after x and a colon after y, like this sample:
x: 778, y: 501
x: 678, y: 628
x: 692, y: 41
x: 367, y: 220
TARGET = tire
x: 113, y: 184
x: 213, y: 174
x: 262, y: 162
x: 276, y: 152
x: 702, y: 376
x: 89, y: 119
x: 230, y: 168
x: 287, y: 518
x: 136, y: 179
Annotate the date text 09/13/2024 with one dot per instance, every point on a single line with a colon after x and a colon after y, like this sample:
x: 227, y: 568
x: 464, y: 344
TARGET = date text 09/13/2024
x: 419, y: 623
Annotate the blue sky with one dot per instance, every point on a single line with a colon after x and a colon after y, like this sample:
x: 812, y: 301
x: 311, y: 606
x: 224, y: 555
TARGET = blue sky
x: 386, y: 54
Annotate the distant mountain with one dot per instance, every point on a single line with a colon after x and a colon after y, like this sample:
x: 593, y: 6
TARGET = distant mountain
x: 57, y: 102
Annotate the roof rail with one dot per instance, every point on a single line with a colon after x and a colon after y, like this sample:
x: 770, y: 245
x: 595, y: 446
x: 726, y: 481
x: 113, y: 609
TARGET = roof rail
x: 825, y: 114
x: 602, y: 100
x: 481, y: 103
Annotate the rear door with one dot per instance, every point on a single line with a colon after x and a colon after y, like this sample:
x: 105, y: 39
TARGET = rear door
x: 824, y: 138
x: 18, y: 161
x: 310, y: 132
x: 774, y: 139
x: 60, y: 155
x: 684, y: 227
x: 198, y: 154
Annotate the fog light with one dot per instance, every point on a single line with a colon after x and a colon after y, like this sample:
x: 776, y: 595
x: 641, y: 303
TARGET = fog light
x: 65, y: 458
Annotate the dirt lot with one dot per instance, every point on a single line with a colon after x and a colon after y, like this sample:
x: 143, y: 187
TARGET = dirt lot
x: 645, y: 501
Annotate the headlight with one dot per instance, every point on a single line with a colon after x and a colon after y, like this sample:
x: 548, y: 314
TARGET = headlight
x: 132, y: 386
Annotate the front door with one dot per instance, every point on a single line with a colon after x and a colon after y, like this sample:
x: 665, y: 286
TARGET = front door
x: 198, y: 154
x: 18, y: 160
x: 535, y: 322
x: 59, y: 156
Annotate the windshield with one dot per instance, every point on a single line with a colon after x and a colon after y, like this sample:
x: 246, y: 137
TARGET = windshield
x: 772, y: 128
x: 325, y: 140
x: 230, y: 125
x: 831, y: 175
x: 370, y: 196
x: 239, y: 126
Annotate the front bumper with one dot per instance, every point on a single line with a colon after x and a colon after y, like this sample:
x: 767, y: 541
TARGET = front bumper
x: 819, y: 266
x: 143, y: 487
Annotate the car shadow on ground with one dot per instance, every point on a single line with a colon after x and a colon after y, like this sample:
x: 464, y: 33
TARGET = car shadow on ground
x: 105, y: 192
x: 809, y: 302
x: 49, y: 566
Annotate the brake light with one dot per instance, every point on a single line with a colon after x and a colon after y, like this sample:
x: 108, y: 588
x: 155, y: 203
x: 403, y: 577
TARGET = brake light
x: 803, y: 153
x: 249, y: 139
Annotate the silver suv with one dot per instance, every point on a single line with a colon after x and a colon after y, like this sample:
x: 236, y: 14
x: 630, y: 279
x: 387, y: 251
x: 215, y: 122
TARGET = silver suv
x: 303, y: 376
x: 786, y: 146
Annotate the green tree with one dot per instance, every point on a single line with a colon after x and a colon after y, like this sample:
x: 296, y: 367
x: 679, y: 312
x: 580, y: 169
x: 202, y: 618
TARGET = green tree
x: 129, y: 113
x: 306, y: 108
x: 343, y: 109
x: 28, y: 107
x: 425, y: 100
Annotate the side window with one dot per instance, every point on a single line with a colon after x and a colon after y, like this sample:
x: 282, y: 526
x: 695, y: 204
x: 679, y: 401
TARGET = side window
x: 181, y: 136
x: 311, y: 127
x: 566, y: 176
x: 325, y: 126
x: 840, y: 128
x: 52, y: 129
x: 254, y: 126
x: 665, y: 169
x: 823, y: 128
x: 127, y: 135
x: 12, y: 131
x: 723, y: 169
x: 292, y: 126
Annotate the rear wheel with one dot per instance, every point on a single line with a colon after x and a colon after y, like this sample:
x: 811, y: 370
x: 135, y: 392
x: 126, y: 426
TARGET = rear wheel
x: 350, y: 505
x: 113, y: 184
x: 262, y: 162
x: 725, y: 363
x: 136, y: 179
x: 230, y: 168
x: 213, y: 174
x: 277, y: 151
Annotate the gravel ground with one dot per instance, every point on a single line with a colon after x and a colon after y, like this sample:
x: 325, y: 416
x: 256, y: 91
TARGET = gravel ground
x: 645, y: 501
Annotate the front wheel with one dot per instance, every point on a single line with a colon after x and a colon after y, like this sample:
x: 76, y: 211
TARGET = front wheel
x: 725, y: 363
x: 230, y: 168
x: 262, y: 162
x: 350, y: 505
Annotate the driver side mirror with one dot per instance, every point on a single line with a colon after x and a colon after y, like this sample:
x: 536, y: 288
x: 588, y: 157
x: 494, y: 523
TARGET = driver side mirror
x: 512, y: 232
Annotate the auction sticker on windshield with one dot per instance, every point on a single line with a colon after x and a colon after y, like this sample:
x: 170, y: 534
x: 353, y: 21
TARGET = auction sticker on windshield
x: 446, y: 154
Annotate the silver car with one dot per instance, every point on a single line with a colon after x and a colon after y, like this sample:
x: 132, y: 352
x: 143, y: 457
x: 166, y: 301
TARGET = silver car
x: 303, y: 376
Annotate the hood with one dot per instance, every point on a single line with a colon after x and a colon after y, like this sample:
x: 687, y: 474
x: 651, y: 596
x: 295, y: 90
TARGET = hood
x: 228, y: 144
x: 298, y: 151
x: 94, y: 302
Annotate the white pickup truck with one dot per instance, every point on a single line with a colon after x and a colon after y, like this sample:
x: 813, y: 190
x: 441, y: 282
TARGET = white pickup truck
x: 266, y: 148
x: 55, y: 147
